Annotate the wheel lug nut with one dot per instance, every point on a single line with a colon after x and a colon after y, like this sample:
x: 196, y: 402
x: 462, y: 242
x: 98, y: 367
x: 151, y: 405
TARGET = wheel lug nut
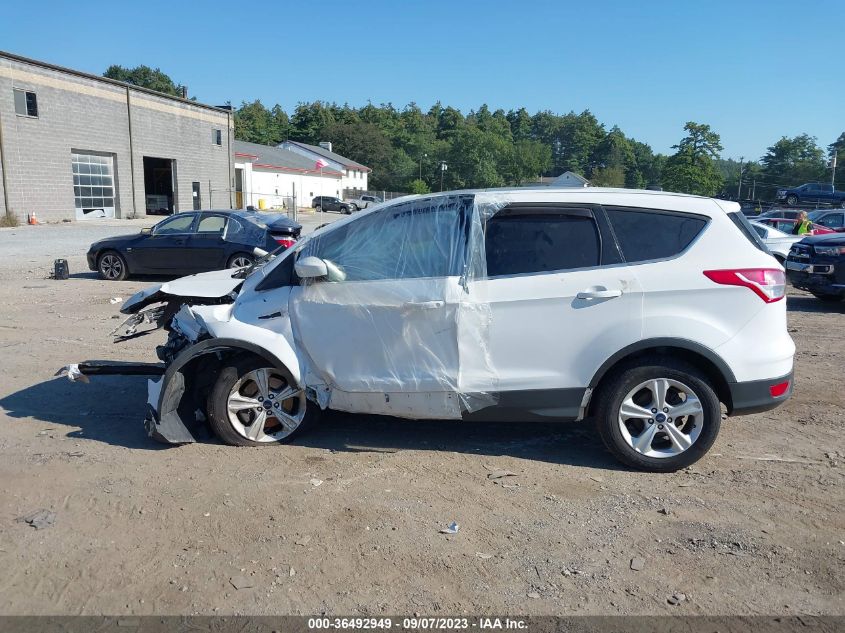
x: 669, y: 420
x: 660, y: 426
x: 654, y: 410
x: 665, y: 409
x: 651, y: 420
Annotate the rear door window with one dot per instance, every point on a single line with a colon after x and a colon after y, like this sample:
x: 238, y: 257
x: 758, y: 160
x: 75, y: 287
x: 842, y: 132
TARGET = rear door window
x: 211, y: 224
x: 523, y: 241
x: 648, y: 234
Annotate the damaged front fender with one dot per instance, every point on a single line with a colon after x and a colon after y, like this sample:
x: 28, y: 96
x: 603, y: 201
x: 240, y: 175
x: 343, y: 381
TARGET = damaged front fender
x: 175, y: 405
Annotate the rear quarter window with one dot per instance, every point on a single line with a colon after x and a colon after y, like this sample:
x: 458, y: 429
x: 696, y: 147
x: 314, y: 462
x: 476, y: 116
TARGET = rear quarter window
x: 646, y: 234
x: 750, y: 232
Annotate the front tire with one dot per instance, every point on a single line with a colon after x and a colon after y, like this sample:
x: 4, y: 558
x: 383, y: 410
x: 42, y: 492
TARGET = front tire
x: 112, y: 266
x: 255, y: 404
x: 660, y: 417
x: 791, y: 200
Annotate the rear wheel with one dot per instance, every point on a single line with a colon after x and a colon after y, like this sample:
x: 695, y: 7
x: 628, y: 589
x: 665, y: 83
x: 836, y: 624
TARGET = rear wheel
x: 112, y: 266
x: 255, y: 404
x: 318, y: 209
x: 791, y: 200
x: 660, y: 417
x: 240, y: 260
x: 352, y: 208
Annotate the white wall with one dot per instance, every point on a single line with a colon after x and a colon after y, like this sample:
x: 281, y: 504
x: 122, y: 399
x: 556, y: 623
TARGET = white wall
x: 354, y: 180
x: 274, y: 186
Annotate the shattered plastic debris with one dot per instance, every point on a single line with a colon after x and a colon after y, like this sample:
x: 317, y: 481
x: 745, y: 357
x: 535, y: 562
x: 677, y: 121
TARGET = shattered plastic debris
x: 452, y: 529
x: 40, y: 519
x: 72, y: 372
x: 484, y: 556
x: 315, y: 482
x: 114, y: 300
x: 498, y: 474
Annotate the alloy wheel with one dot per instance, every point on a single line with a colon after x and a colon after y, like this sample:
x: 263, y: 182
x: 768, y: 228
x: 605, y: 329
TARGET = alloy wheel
x: 111, y: 266
x: 263, y: 407
x: 241, y: 261
x: 661, y: 418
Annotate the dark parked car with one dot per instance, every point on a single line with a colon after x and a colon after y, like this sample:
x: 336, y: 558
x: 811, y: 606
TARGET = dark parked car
x: 792, y: 214
x: 817, y: 264
x: 812, y: 193
x: 193, y: 242
x: 831, y: 218
x: 330, y: 203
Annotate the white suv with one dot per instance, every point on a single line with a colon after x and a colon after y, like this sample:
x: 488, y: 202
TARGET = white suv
x: 641, y: 310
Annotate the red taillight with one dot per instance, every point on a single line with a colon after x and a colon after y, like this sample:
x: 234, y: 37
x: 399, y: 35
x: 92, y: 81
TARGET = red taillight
x: 779, y: 389
x: 767, y: 283
x: 287, y: 242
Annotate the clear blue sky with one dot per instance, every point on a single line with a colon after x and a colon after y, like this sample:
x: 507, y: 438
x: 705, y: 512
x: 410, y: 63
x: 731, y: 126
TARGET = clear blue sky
x: 753, y: 70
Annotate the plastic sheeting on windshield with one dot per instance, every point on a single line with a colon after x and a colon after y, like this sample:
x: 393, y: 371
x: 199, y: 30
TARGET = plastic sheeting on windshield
x: 400, y: 324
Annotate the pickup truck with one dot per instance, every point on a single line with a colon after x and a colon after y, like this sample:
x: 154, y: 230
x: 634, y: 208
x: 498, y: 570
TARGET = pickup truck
x: 363, y: 202
x: 812, y: 193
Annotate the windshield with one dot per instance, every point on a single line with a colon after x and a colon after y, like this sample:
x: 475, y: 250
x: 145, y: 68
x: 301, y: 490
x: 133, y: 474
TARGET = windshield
x: 815, y: 215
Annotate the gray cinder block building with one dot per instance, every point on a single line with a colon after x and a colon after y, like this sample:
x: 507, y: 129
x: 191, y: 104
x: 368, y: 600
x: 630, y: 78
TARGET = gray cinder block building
x: 79, y: 146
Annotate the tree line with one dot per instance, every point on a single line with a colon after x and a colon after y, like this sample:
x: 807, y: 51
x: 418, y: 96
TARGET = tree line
x: 406, y: 147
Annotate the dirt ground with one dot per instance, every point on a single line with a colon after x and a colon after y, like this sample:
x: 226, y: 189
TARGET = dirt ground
x: 756, y: 527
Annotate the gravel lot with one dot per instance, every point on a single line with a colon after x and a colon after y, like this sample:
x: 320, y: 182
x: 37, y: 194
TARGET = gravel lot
x: 755, y: 528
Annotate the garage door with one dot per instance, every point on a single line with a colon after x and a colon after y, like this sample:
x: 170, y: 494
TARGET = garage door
x: 93, y: 185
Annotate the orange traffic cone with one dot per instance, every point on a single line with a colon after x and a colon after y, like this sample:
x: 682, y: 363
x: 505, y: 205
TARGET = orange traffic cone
x: 32, y: 219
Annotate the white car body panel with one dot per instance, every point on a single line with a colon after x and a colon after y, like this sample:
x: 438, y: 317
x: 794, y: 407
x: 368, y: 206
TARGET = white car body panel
x: 438, y: 348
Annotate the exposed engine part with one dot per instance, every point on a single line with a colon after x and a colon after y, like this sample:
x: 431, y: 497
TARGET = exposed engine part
x: 129, y: 327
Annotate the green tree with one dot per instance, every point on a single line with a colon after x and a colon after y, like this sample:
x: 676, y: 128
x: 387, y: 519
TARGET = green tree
x: 310, y: 120
x: 145, y: 77
x: 691, y: 169
x: 256, y: 124
x: 419, y: 186
x: 794, y: 161
x: 837, y: 149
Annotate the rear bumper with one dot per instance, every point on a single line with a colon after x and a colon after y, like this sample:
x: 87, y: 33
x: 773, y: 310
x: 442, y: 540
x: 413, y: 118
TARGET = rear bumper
x: 756, y: 396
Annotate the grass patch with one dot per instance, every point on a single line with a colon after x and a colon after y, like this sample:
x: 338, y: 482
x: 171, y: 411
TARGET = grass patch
x: 10, y: 219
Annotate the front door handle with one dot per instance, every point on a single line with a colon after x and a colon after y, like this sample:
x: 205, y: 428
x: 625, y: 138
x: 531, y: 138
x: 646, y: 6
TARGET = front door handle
x: 598, y: 292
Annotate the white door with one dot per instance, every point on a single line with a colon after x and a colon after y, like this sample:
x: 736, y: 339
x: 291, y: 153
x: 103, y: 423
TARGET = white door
x: 384, y: 339
x: 561, y: 301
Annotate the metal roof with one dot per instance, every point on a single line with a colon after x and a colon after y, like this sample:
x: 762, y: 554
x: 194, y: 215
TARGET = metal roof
x: 322, y: 151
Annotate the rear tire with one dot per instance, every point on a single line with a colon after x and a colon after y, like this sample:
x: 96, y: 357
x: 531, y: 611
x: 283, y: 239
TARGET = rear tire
x: 240, y: 260
x: 664, y: 444
x: 791, y: 200
x: 112, y: 266
x: 245, y: 409
x: 318, y: 209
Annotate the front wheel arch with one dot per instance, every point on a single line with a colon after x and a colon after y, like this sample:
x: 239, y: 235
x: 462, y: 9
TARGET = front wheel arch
x: 192, y: 373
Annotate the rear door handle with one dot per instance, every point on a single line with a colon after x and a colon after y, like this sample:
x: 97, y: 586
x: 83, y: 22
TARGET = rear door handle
x: 598, y: 292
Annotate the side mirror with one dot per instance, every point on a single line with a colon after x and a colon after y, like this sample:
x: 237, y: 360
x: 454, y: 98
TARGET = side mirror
x: 311, y: 267
x: 146, y: 231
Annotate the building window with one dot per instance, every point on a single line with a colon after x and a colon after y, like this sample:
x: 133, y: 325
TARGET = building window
x: 26, y: 103
x: 93, y: 184
x: 217, y: 137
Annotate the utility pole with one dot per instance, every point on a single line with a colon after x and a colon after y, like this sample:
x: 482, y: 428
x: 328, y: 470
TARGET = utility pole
x: 833, y: 168
x: 754, y: 189
x: 443, y: 168
x: 739, y: 184
x: 421, y: 160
